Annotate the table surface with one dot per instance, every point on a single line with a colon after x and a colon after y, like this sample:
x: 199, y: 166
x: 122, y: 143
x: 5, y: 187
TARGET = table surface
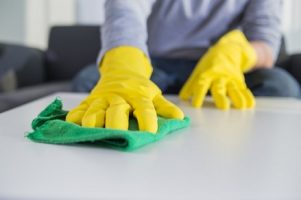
x: 253, y: 154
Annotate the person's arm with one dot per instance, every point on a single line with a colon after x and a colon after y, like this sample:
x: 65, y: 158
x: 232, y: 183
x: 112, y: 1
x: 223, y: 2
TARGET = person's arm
x: 124, y: 87
x: 262, y: 26
x: 125, y: 24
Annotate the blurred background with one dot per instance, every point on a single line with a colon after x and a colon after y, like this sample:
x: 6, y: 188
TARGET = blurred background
x: 28, y: 21
x: 37, y: 59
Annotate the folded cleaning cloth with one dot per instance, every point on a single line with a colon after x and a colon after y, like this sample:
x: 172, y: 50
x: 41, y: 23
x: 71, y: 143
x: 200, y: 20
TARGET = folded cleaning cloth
x: 50, y: 127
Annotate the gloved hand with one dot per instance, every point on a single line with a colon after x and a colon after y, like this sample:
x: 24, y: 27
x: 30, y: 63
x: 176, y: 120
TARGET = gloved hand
x: 124, y: 87
x: 221, y: 70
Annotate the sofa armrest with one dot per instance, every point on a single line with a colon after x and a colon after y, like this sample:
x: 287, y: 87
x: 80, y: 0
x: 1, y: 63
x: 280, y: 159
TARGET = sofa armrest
x: 27, y: 64
x: 24, y: 95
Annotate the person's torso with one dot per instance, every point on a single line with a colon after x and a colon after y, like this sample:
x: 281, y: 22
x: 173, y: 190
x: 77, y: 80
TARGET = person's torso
x: 187, y: 28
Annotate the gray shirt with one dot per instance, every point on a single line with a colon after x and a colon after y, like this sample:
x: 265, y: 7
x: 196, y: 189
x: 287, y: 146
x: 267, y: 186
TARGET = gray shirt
x: 187, y: 28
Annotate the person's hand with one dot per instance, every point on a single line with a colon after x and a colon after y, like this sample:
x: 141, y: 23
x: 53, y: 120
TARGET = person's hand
x: 221, y: 71
x: 124, y: 88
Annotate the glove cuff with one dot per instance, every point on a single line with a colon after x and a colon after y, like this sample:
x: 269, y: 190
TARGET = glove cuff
x: 248, y: 53
x: 126, y: 59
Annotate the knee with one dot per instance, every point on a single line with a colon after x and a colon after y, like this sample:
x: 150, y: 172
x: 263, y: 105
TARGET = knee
x: 275, y: 82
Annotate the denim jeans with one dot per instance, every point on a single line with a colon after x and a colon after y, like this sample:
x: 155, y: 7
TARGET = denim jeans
x: 171, y: 74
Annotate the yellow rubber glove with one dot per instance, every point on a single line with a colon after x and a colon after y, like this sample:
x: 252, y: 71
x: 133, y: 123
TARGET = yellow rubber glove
x: 124, y: 87
x: 221, y: 70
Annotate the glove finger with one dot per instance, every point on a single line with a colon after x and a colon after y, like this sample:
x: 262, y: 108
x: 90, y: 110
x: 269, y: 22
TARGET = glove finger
x: 167, y: 109
x: 117, y: 115
x: 237, y: 97
x: 146, y: 115
x: 219, y: 94
x: 76, y: 114
x: 187, y: 90
x: 250, y: 99
x: 199, y: 92
x: 95, y: 114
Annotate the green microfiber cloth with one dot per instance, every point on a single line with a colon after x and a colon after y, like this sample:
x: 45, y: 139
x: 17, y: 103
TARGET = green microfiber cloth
x: 50, y: 127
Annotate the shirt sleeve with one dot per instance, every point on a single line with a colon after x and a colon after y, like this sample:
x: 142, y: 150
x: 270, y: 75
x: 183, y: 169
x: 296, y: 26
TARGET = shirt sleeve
x: 262, y: 21
x: 125, y: 24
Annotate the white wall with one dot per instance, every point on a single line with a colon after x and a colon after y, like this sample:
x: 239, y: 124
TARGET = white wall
x: 12, y: 27
x: 28, y: 21
x: 42, y: 14
x: 292, y: 25
x: 36, y: 23
x: 90, y: 11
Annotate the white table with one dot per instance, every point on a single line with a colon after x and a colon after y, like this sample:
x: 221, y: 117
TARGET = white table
x: 243, y: 155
